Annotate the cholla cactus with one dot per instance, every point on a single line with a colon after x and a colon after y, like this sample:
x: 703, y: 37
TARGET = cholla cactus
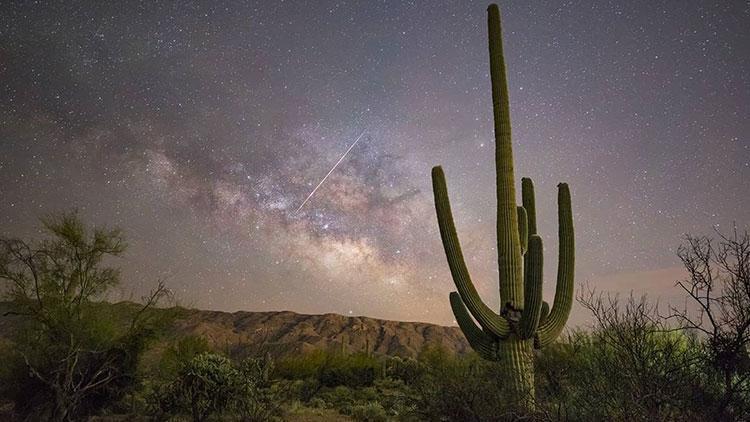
x: 524, y: 321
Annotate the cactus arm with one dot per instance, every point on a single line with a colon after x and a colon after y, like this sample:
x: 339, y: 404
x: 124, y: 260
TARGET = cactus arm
x: 533, y: 264
x: 508, y: 244
x: 555, y: 322
x: 486, y: 318
x: 523, y: 230
x: 529, y: 204
x: 527, y: 194
x: 482, y: 343
x: 544, y: 312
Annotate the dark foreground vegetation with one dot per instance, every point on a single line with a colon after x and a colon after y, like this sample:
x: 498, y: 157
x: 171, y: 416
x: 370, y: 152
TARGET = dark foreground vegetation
x: 70, y: 356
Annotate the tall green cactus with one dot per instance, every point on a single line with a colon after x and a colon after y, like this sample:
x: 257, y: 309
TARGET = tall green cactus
x: 524, y: 321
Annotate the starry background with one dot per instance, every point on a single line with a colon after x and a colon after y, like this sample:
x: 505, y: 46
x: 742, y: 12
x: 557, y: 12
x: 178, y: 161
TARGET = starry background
x: 199, y: 128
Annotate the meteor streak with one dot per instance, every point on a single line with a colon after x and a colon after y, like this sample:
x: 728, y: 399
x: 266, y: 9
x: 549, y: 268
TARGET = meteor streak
x: 329, y: 173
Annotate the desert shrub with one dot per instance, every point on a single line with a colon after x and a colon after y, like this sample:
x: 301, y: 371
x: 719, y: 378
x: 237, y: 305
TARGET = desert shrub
x: 556, y: 377
x: 358, y: 370
x: 210, y: 384
x: 205, y: 385
x: 300, y: 367
x: 259, y: 399
x: 332, y: 369
x: 344, y: 382
x: 396, y: 397
x: 304, y: 390
x: 456, y: 388
x: 368, y: 412
x: 318, y: 403
x: 630, y: 366
x: 180, y: 352
x: 339, y: 397
x: 408, y: 370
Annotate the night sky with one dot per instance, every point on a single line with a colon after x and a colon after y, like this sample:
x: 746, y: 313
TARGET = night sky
x: 200, y: 127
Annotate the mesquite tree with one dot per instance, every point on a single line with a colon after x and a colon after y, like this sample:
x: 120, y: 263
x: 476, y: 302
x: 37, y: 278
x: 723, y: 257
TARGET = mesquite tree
x: 75, y: 357
x: 718, y: 287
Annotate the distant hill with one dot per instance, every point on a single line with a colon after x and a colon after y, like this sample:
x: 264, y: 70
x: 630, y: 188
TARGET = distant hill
x: 288, y: 332
x: 285, y: 333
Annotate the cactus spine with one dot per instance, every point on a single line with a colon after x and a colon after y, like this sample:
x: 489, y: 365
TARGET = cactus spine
x: 524, y: 321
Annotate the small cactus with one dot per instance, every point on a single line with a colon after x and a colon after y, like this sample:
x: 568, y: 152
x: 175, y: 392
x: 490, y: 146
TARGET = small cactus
x: 524, y: 321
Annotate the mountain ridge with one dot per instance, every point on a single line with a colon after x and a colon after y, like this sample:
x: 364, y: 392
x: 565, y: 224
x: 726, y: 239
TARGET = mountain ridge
x: 288, y: 332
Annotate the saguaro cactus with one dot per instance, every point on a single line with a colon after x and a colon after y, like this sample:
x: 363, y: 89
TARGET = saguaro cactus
x: 524, y: 321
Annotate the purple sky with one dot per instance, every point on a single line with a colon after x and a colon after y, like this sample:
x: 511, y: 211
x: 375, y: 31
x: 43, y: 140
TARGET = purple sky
x: 200, y: 128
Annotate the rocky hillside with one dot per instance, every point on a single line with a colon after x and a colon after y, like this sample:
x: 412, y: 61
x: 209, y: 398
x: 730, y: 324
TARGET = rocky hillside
x: 285, y: 333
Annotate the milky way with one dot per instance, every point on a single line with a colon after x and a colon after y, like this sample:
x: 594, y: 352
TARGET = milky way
x: 199, y: 128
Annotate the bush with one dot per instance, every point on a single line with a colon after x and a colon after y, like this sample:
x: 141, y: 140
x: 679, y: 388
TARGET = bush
x: 318, y: 403
x: 304, y: 390
x: 353, y: 371
x: 407, y: 370
x: 339, y: 397
x: 369, y: 412
x: 179, y: 353
x: 209, y: 384
x: 206, y: 385
x: 396, y: 397
x: 629, y: 366
x: 456, y: 388
x: 302, y: 367
x: 332, y: 369
x: 258, y: 399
